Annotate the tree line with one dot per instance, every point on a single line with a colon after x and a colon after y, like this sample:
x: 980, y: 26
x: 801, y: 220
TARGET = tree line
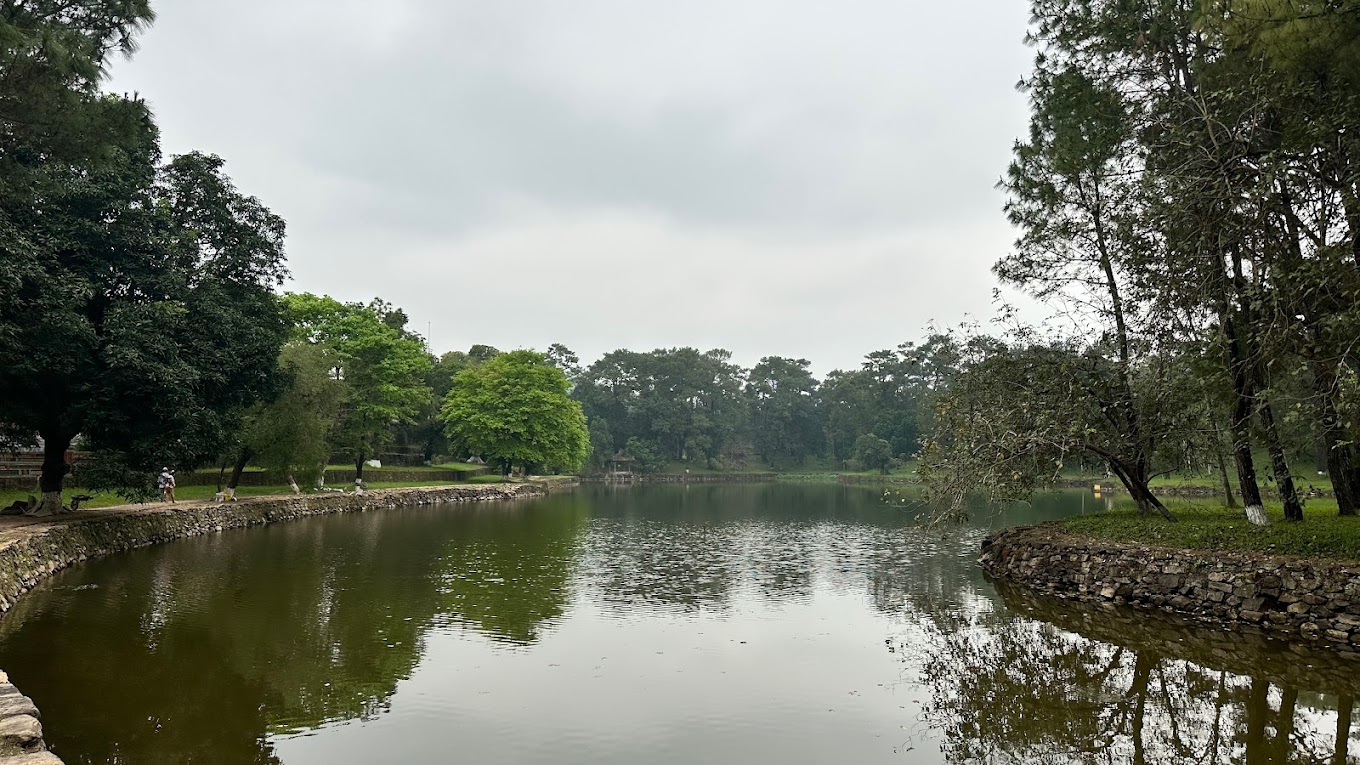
x: 689, y: 407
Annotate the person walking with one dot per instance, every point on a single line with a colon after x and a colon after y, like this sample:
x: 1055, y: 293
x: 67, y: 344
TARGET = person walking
x: 166, y: 482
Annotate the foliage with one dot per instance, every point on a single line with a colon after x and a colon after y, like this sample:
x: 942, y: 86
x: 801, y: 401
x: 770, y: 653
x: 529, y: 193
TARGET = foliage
x: 1188, y: 197
x: 1017, y: 413
x: 564, y: 359
x: 514, y: 410
x: 145, y: 318
x: 785, y: 418
x: 601, y: 444
x: 690, y: 404
x: 649, y: 458
x: 136, y: 297
x: 291, y: 434
x: 873, y: 453
x: 383, y: 369
x: 890, y: 395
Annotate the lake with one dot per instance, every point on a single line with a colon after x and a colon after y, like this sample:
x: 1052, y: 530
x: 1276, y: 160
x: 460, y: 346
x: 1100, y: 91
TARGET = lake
x: 779, y: 623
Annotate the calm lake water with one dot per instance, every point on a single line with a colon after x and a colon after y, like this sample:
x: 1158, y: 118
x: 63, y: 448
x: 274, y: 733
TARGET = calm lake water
x: 702, y: 624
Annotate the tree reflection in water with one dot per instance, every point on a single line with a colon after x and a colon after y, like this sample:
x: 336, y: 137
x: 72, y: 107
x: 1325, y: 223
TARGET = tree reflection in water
x: 1070, y: 683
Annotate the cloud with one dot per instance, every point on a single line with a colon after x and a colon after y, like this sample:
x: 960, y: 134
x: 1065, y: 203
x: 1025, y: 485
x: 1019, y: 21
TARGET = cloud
x: 789, y: 177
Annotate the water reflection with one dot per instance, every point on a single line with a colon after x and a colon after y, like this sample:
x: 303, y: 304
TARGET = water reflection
x: 509, y: 581
x: 1073, y: 683
x: 200, y: 650
x: 658, y: 624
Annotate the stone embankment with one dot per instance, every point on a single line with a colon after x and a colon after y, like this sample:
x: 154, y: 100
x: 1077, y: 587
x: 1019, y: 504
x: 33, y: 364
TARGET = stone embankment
x: 21, y: 741
x: 33, y: 549
x: 1245, y: 651
x: 1309, y: 601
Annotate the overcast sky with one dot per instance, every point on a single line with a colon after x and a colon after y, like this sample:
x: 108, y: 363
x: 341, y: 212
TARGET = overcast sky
x: 777, y: 177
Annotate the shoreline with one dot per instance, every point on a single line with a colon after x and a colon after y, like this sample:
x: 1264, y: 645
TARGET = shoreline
x: 1305, y: 601
x: 33, y: 549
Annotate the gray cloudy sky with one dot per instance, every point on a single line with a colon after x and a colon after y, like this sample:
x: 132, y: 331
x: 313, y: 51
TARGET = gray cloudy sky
x: 802, y: 178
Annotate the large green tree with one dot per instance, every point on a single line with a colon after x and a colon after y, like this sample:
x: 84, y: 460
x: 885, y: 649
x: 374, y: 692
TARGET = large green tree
x: 290, y: 433
x: 383, y: 369
x: 139, y: 310
x: 785, y: 421
x: 136, y: 304
x: 688, y: 403
x: 514, y: 409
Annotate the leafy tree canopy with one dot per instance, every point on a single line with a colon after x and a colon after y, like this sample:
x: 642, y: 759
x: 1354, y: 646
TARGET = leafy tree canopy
x: 514, y: 410
x: 383, y: 368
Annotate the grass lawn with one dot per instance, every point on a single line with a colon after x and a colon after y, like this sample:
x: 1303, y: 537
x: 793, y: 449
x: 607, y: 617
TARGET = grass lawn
x: 1207, y: 525
x: 196, y: 493
x: 413, y: 468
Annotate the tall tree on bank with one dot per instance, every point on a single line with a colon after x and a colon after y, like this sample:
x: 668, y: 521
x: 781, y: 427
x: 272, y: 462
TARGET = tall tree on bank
x: 686, y: 404
x: 514, y: 409
x: 1017, y: 413
x: 784, y: 413
x: 290, y: 433
x: 383, y: 369
x: 141, y: 310
x: 1307, y: 59
x: 1073, y: 193
x: 1232, y: 173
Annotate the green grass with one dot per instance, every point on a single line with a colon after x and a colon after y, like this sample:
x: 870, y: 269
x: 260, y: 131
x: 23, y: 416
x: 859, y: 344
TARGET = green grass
x: 458, y: 466
x: 413, y: 468
x: 1207, y: 525
x: 198, y: 493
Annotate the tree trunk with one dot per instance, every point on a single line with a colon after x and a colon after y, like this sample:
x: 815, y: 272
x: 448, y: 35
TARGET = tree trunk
x: 1284, y: 723
x: 53, y: 476
x: 1228, y: 497
x: 242, y: 460
x: 1142, y: 672
x: 1344, y: 704
x: 1240, y: 360
x: 359, y: 468
x: 1343, y: 465
x: 1135, y: 480
x: 1258, y: 709
x: 1293, y: 508
x: 1342, y: 459
x: 1241, y: 425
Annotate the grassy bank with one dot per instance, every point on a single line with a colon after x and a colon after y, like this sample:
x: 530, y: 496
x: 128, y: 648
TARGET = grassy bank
x: 199, y: 493
x: 1209, y: 526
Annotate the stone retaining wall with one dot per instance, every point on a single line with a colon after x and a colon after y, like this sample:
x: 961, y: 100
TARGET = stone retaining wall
x: 1316, y: 602
x: 32, y: 550
x: 21, y: 741
x: 1247, y: 651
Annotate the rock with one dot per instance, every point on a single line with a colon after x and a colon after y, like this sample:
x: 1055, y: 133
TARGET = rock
x: 21, y: 733
x: 1298, y: 608
x: 17, y: 704
x: 1251, y: 616
x: 36, y: 758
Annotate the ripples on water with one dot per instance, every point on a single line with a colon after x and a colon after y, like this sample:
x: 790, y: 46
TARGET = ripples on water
x: 715, y: 624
